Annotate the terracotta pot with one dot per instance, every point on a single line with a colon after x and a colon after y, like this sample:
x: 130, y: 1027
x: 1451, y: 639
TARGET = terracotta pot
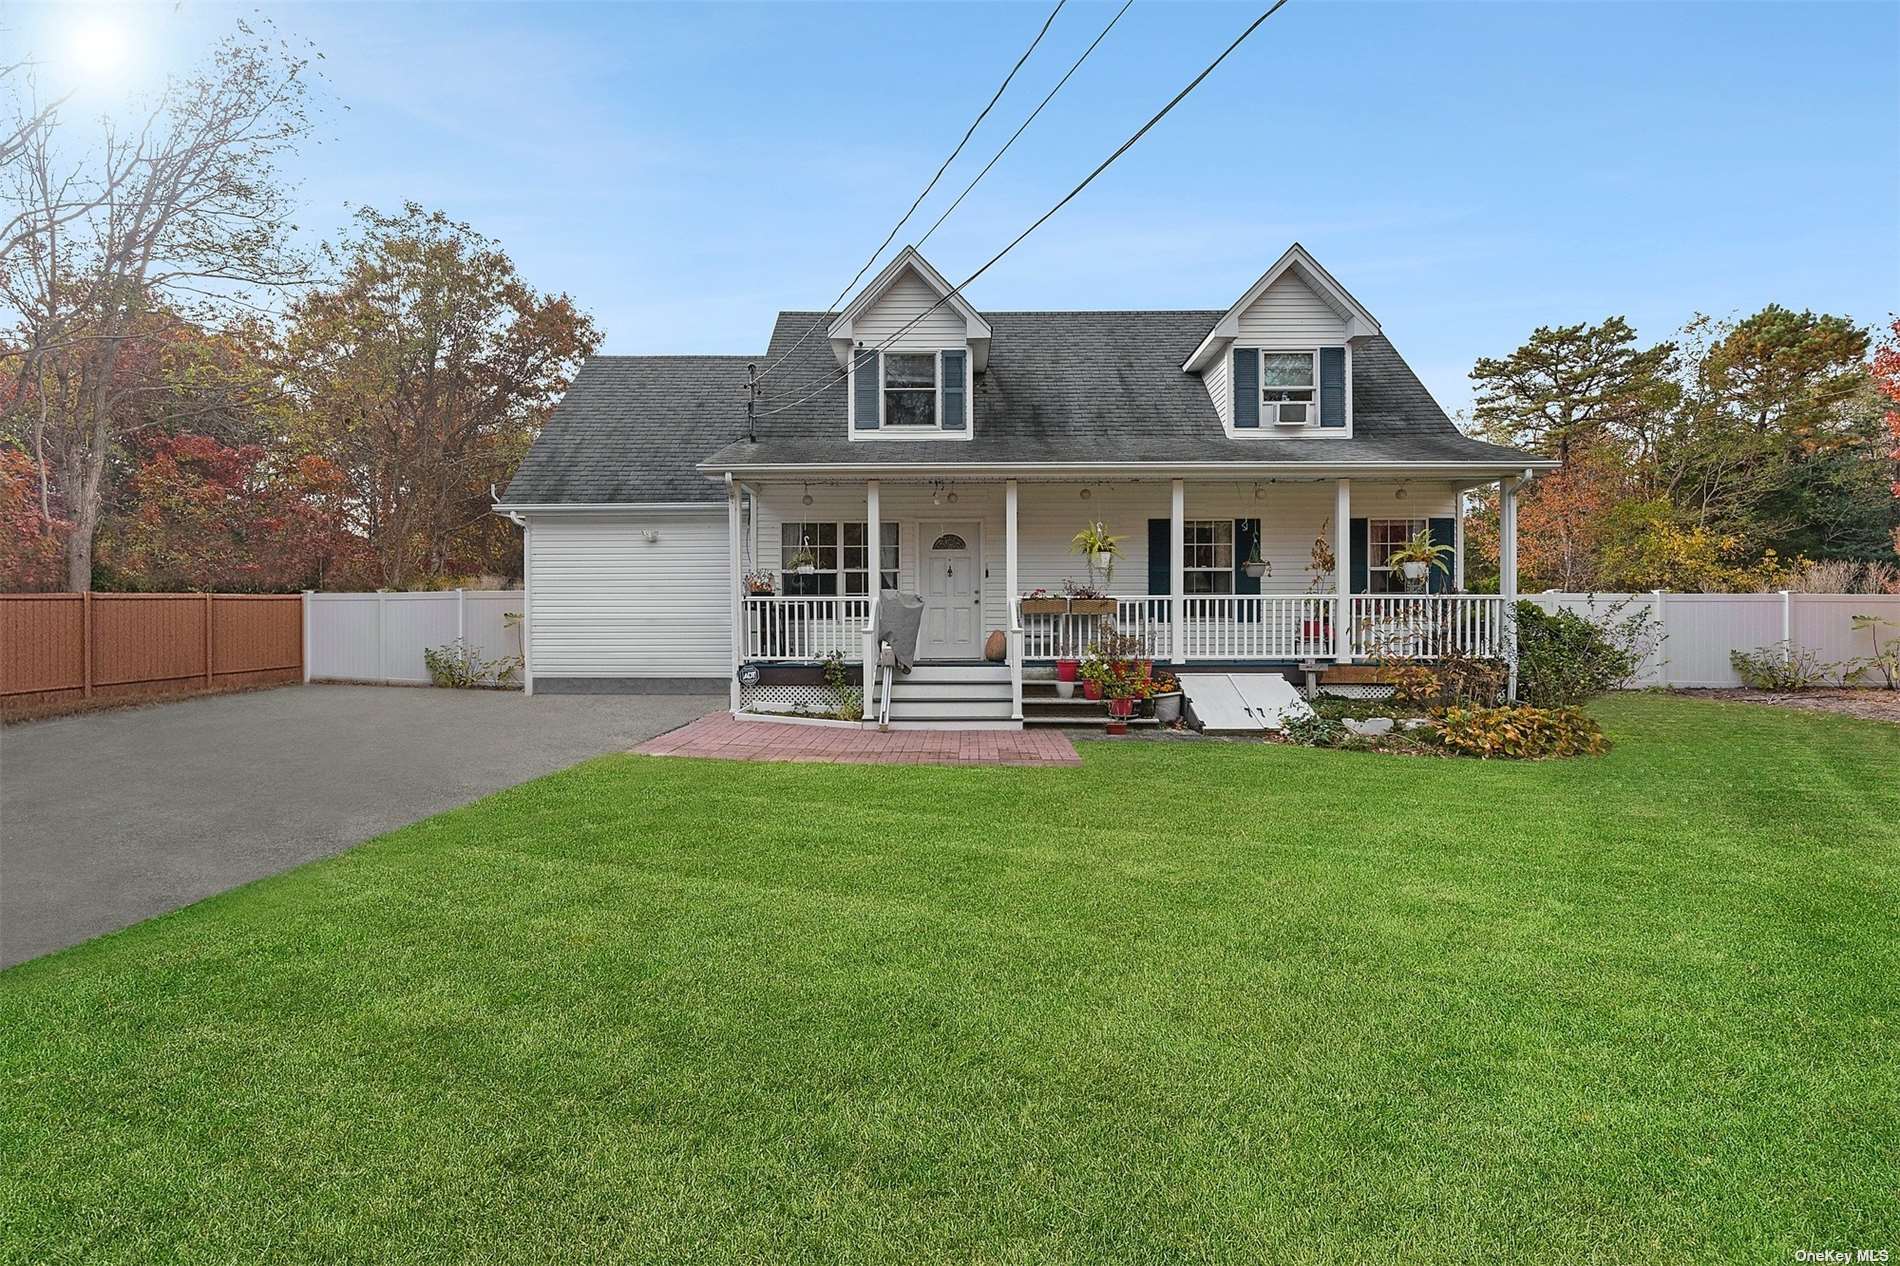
x: 1068, y: 669
x: 1091, y: 690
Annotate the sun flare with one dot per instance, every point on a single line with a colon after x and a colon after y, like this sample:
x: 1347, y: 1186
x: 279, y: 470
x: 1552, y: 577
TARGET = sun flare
x: 100, y: 48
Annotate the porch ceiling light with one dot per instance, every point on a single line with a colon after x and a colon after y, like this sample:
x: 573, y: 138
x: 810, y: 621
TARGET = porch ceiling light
x: 1085, y: 494
x: 807, y: 494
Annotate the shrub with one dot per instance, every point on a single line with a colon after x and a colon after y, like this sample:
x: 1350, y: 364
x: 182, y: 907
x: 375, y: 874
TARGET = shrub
x: 1782, y: 666
x: 850, y: 698
x: 1521, y: 732
x: 1314, y: 731
x: 1564, y: 659
x: 460, y: 666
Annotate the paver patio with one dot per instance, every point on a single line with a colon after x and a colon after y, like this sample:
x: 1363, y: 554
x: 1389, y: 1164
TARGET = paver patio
x: 726, y: 737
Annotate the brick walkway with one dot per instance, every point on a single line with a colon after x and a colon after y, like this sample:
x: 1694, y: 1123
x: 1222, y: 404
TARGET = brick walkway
x: 725, y: 737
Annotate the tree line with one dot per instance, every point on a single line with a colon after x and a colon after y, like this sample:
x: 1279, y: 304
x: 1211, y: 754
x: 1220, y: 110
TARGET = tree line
x: 188, y: 400
x: 1740, y: 455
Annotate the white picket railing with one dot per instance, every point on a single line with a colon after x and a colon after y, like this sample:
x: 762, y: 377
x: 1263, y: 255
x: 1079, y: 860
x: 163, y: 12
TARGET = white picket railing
x: 1427, y: 626
x: 805, y: 628
x: 1264, y: 626
x: 1069, y: 635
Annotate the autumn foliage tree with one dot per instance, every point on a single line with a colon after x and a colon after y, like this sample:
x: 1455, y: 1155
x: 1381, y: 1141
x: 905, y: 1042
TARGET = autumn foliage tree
x: 422, y: 374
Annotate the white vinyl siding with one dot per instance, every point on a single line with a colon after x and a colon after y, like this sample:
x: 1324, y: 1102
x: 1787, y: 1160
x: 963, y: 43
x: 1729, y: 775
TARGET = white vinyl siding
x: 908, y: 297
x: 1214, y: 378
x: 606, y: 602
x: 1289, y: 314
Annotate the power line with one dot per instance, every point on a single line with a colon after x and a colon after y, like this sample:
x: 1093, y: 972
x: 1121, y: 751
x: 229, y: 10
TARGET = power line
x: 1026, y: 122
x: 891, y: 236
x: 858, y: 357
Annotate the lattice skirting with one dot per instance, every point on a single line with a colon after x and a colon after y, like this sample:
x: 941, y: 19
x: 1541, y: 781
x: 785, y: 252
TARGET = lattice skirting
x: 772, y: 698
x: 1356, y: 690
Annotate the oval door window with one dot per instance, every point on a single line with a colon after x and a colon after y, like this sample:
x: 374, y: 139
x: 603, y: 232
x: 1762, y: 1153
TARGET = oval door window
x: 948, y: 541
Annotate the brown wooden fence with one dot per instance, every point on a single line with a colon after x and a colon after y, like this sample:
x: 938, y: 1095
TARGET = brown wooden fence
x: 67, y: 648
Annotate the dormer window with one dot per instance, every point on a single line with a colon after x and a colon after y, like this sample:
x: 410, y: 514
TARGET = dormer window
x: 910, y: 394
x: 910, y: 389
x: 1289, y: 387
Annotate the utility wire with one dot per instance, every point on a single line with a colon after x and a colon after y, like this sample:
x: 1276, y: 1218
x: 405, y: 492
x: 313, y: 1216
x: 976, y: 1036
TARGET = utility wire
x: 861, y: 355
x: 1026, y: 122
x: 891, y: 236
x: 1077, y: 65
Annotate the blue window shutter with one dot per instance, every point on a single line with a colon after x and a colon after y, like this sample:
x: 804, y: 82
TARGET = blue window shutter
x: 1160, y: 556
x: 955, y: 399
x: 1246, y: 537
x: 864, y: 389
x: 1332, y: 386
x: 1440, y: 581
x: 1357, y: 574
x: 1246, y: 378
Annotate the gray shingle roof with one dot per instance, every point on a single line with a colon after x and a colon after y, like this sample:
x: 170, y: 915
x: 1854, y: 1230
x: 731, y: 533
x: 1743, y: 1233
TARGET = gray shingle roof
x: 634, y: 428
x: 1067, y: 387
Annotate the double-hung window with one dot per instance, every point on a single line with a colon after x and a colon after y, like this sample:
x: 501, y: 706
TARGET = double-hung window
x: 1289, y: 387
x: 836, y: 555
x: 910, y: 389
x: 1207, y: 555
x: 1383, y: 538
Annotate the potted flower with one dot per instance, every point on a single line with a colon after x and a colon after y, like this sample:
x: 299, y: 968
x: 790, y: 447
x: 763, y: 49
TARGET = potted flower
x: 1166, y: 693
x: 1255, y: 565
x: 1321, y: 560
x: 1087, y: 600
x: 1416, y: 558
x: 1042, y: 602
x: 1098, y: 549
x: 803, y: 561
x: 760, y: 584
x: 1094, y: 674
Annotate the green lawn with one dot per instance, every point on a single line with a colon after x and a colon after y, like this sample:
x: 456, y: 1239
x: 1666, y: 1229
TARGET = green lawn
x: 1191, y: 1001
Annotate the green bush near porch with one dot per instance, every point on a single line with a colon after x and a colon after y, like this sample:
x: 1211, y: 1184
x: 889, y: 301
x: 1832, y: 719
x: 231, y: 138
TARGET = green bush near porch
x: 1209, y: 1001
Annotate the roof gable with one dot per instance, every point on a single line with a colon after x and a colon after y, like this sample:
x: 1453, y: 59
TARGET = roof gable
x: 1301, y: 264
x: 909, y: 261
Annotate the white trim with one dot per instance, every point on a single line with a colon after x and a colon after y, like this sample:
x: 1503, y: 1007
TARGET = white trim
x: 1359, y: 322
x: 736, y: 585
x: 608, y: 507
x: 1342, y: 570
x: 527, y: 609
x: 874, y: 583
x: 1177, y: 567
x: 1479, y: 472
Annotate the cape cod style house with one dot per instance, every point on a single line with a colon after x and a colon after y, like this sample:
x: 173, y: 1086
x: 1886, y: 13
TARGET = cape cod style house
x: 1260, y: 464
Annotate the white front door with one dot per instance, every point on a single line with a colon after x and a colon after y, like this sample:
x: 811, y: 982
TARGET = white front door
x: 952, y: 591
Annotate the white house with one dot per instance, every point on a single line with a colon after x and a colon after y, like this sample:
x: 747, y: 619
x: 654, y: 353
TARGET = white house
x: 962, y: 451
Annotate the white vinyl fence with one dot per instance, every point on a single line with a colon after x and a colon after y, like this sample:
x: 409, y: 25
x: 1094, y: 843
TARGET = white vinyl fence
x: 380, y: 637
x: 1700, y: 629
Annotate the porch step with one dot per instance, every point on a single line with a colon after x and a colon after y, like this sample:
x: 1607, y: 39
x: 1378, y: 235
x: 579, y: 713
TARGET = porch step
x: 906, y: 709
x: 915, y: 691
x: 936, y: 674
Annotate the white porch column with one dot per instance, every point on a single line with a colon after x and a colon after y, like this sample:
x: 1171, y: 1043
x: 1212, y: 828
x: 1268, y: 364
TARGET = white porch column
x: 734, y: 587
x: 1507, y: 575
x: 1012, y: 592
x: 1458, y: 540
x: 1177, y: 567
x: 1342, y: 569
x: 874, y: 557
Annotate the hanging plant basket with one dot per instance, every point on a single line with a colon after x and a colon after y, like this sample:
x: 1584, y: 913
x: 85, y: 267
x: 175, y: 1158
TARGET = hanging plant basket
x: 1415, y: 570
x: 1257, y: 567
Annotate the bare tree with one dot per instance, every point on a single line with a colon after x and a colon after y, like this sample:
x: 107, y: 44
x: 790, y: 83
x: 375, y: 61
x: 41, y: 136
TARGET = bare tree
x: 183, y: 216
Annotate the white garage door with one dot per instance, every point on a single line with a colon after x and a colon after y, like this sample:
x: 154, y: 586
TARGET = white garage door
x: 605, y: 601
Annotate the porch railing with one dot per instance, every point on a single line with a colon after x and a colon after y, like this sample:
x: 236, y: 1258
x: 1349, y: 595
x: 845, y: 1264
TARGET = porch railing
x: 1265, y: 626
x: 1069, y: 635
x: 1427, y: 626
x: 805, y: 628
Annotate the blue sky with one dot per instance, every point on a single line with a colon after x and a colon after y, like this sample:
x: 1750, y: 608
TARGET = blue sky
x: 1468, y: 170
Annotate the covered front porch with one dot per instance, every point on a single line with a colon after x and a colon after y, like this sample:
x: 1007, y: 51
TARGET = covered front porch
x: 1273, y: 572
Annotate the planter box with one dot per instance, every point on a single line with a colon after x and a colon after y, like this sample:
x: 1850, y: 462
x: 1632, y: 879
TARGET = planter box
x: 1044, y: 606
x: 1091, y: 606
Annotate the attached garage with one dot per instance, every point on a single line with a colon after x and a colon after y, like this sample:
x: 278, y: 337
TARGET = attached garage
x: 628, y: 601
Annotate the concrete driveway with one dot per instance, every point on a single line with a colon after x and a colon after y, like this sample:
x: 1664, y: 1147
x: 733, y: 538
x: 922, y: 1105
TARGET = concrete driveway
x: 114, y: 817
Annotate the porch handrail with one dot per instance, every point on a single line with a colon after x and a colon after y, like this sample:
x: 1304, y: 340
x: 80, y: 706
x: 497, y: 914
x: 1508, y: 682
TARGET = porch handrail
x: 784, y: 627
x: 1068, y: 634
x: 1428, y: 625
x: 1268, y: 626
